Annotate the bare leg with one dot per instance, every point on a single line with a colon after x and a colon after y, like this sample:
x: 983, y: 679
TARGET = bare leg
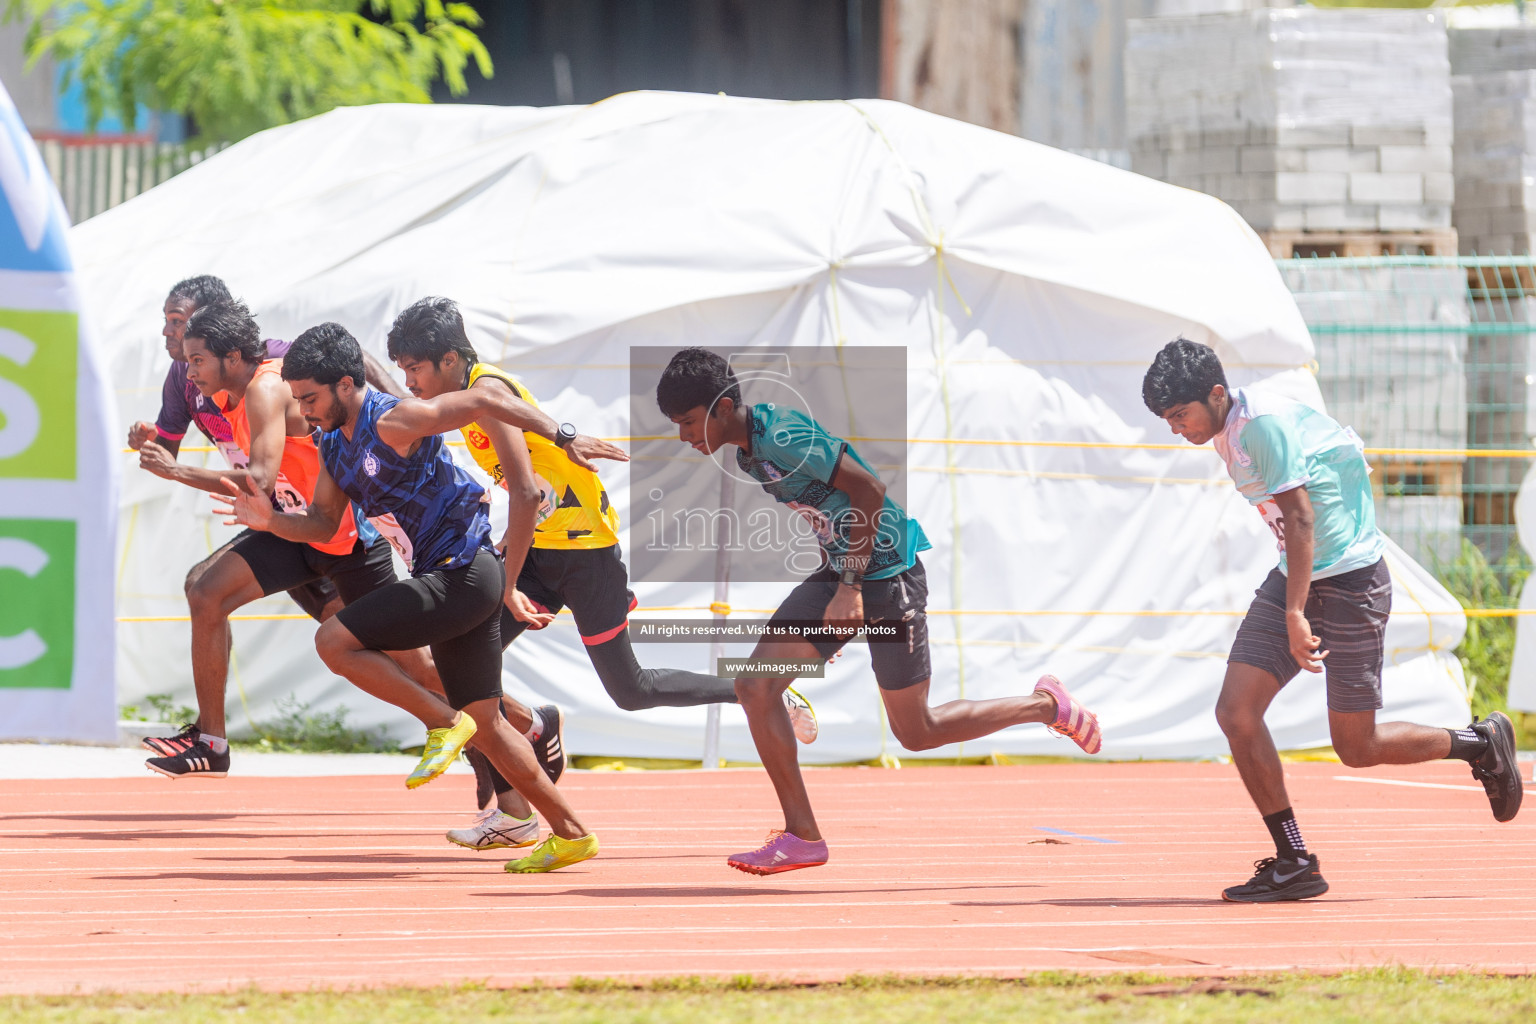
x: 1246, y: 694
x: 774, y: 736
x: 511, y: 753
x: 512, y: 802
x: 375, y: 673
x: 219, y: 586
x: 920, y: 727
x: 1360, y: 742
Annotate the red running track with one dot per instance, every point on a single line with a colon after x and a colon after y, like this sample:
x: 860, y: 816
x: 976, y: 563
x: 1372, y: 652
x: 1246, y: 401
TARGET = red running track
x: 292, y: 883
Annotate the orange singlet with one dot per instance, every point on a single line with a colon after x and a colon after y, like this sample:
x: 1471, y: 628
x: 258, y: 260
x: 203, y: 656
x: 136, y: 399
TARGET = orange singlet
x: 298, y: 471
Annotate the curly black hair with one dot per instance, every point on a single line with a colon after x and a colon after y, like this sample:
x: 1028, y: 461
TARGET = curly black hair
x: 201, y: 291
x: 325, y: 354
x: 227, y: 326
x: 1184, y: 371
x: 695, y: 377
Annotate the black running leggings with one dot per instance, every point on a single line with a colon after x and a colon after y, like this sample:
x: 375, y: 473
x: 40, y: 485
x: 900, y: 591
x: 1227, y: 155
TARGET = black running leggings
x: 634, y: 688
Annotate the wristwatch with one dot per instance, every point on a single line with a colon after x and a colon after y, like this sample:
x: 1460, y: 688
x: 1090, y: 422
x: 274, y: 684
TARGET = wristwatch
x: 850, y: 578
x: 565, y: 435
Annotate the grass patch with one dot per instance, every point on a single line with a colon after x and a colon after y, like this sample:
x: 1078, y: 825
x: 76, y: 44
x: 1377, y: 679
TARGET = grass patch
x: 297, y: 729
x: 158, y: 707
x: 1386, y: 995
x: 1488, y: 648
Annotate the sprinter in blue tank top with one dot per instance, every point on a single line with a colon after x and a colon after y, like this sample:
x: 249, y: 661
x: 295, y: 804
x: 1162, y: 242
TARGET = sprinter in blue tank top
x: 385, y: 454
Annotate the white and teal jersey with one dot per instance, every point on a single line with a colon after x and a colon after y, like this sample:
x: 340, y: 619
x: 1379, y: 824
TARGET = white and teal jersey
x: 795, y: 459
x: 1272, y: 445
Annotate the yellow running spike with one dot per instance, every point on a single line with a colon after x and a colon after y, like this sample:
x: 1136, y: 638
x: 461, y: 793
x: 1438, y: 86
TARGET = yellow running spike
x: 443, y: 745
x: 555, y: 853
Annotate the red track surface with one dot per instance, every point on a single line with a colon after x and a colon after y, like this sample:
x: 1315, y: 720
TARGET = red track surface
x: 293, y: 883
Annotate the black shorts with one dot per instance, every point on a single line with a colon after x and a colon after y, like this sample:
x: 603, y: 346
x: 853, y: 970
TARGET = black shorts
x: 455, y: 612
x: 592, y: 582
x: 311, y: 597
x: 902, y: 598
x: 280, y: 565
x: 1347, y: 612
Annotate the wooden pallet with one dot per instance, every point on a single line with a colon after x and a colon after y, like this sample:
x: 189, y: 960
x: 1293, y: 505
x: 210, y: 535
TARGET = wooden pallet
x: 1412, y: 476
x: 1289, y: 244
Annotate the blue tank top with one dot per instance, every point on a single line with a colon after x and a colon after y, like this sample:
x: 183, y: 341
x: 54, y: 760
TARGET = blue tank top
x: 435, y: 502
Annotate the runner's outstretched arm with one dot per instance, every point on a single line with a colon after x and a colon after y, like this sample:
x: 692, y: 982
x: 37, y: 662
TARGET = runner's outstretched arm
x: 317, y: 523
x: 414, y: 418
x: 266, y: 404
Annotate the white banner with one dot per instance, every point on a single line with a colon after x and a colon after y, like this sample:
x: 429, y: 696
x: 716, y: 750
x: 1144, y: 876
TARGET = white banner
x: 58, y: 476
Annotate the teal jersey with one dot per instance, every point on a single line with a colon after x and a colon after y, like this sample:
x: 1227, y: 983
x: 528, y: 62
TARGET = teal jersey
x: 1272, y: 445
x: 795, y: 460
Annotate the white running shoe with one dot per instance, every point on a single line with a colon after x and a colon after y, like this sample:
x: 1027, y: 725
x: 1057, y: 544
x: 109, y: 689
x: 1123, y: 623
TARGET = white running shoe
x: 801, y: 715
x: 494, y: 830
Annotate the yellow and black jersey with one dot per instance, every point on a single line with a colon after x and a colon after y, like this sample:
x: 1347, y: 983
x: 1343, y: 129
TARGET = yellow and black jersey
x: 574, y: 510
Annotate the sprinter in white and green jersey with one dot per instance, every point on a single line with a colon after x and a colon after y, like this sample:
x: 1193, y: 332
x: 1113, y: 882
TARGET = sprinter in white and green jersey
x: 1326, y: 603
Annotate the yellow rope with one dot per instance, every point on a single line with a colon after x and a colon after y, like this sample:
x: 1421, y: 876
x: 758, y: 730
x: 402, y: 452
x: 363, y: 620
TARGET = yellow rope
x: 1448, y: 453
x: 1031, y: 613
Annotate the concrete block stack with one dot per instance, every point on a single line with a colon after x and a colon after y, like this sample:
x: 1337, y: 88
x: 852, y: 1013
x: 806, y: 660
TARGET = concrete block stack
x: 1398, y: 390
x: 1304, y: 120
x: 1494, y: 81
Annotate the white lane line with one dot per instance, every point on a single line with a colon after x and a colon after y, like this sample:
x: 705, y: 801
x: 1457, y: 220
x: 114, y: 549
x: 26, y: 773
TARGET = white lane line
x: 1405, y: 782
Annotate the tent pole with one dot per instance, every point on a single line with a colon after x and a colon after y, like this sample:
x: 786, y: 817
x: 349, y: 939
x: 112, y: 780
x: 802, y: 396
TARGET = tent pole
x: 723, y: 540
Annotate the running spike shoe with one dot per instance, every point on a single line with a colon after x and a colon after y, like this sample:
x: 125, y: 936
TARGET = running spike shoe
x: 784, y: 851
x: 165, y: 746
x: 555, y: 853
x: 494, y: 829
x: 801, y: 715
x: 198, y: 759
x: 443, y: 746
x: 1073, y: 721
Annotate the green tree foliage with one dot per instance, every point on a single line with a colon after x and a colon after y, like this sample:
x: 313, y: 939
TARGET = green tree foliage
x: 238, y: 66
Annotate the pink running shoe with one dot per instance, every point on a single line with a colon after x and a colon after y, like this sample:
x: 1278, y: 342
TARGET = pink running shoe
x: 782, y: 852
x: 1073, y: 721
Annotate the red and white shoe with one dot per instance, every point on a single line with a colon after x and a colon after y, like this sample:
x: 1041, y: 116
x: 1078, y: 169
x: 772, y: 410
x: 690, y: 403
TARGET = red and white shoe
x: 1073, y: 721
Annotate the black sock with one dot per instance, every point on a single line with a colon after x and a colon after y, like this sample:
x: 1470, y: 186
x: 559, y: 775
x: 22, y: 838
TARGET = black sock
x: 1287, y: 835
x: 1466, y: 745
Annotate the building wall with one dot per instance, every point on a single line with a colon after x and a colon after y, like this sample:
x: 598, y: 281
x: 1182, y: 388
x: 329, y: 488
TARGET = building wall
x: 31, y: 91
x: 959, y: 58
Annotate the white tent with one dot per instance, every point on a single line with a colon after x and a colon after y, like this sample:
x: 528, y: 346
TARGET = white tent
x: 1029, y: 287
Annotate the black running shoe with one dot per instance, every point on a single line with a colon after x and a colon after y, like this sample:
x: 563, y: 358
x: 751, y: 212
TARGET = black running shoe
x: 198, y: 759
x: 549, y: 748
x: 1497, y: 769
x: 485, y: 789
x: 1278, y: 880
x: 168, y: 746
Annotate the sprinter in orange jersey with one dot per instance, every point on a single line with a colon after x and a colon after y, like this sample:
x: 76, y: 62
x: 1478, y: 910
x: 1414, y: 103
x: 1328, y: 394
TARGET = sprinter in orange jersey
x: 227, y: 361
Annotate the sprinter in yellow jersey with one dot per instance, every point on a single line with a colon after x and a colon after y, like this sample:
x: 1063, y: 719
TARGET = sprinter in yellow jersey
x: 562, y: 551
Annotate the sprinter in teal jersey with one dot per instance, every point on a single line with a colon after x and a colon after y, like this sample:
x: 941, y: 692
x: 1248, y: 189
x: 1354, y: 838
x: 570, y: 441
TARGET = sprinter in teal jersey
x: 1325, y: 605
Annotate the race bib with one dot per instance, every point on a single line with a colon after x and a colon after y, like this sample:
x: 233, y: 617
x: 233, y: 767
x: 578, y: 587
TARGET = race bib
x: 1270, y: 510
x: 547, y: 501
x: 389, y: 529
x: 236, y: 458
x: 287, y: 497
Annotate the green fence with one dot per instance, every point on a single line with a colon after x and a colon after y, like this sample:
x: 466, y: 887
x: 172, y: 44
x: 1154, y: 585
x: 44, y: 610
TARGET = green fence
x: 1430, y: 359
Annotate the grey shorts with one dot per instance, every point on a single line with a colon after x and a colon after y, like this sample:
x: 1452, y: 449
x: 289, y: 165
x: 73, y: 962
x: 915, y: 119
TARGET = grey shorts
x: 1348, y: 612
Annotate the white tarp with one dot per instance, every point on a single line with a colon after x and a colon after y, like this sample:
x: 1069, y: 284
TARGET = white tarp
x: 1030, y: 288
x: 58, y: 473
